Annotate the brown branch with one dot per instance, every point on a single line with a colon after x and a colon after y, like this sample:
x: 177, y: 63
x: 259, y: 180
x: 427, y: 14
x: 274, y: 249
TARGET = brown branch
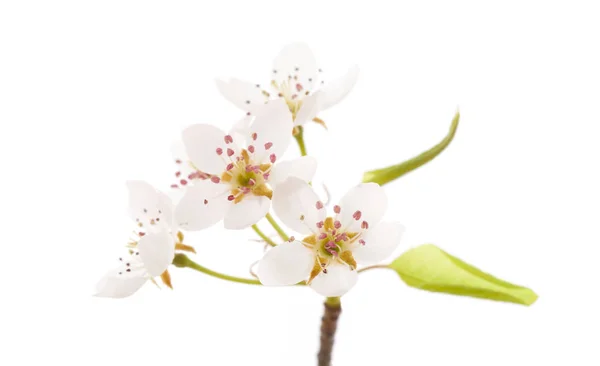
x: 333, y: 309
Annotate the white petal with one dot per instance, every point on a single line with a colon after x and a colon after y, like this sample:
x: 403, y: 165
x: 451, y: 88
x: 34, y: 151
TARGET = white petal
x: 156, y: 251
x: 203, y: 205
x: 247, y: 212
x: 338, y: 280
x: 149, y: 207
x: 285, y: 264
x: 297, y: 61
x: 309, y: 109
x: 273, y: 126
x: 241, y: 129
x: 380, y: 243
x: 332, y: 93
x: 117, y: 287
x: 124, y: 280
x: 303, y: 167
x: 294, y: 202
x: 244, y: 95
x: 367, y: 198
x: 201, y: 142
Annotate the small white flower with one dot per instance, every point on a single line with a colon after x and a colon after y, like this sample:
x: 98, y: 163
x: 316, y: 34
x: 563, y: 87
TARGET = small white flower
x: 186, y: 172
x: 294, y: 78
x: 333, y: 246
x: 243, y: 171
x: 153, y: 249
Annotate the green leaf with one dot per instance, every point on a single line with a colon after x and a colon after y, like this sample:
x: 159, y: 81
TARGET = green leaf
x: 429, y: 268
x: 386, y: 175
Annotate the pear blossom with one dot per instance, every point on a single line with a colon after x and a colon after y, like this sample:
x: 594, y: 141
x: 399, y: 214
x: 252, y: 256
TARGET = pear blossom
x: 186, y: 173
x: 153, y: 248
x: 332, y: 246
x: 244, y: 169
x: 295, y: 78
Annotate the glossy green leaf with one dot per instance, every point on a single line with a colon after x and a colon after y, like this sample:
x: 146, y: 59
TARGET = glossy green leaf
x: 429, y: 268
x: 386, y: 175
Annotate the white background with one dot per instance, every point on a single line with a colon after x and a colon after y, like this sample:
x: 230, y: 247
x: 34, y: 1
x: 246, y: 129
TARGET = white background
x: 93, y: 93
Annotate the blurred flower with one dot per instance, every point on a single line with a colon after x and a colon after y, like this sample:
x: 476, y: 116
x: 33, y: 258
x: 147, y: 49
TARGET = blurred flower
x: 295, y: 79
x: 328, y: 255
x: 244, y: 169
x: 152, y: 250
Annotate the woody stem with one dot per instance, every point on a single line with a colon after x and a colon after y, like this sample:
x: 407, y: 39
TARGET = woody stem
x: 333, y: 309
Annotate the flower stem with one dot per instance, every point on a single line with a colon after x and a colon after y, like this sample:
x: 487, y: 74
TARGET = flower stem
x: 373, y: 267
x: 277, y: 228
x: 182, y: 261
x: 333, y: 309
x: 263, y: 236
x: 300, y: 140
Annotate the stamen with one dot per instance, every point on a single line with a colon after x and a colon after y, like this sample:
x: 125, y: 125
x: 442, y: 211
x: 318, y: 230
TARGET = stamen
x: 230, y: 152
x: 205, y: 201
x: 337, y: 209
x: 268, y: 145
x: 183, y: 182
x: 229, y: 166
x: 219, y: 151
x: 177, y: 161
x: 273, y: 158
x: 337, y: 224
x: 357, y: 215
x: 230, y: 197
x: 364, y: 225
x: 292, y: 239
x: 251, y: 182
x: 251, y: 149
x: 177, y: 174
x: 319, y: 205
x: 322, y: 236
x: 254, y: 136
x: 362, y: 242
x: 320, y: 224
x: 215, y: 179
x: 228, y: 139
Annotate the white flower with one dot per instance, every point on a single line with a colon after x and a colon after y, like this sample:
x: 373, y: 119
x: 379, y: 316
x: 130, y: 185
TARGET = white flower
x: 294, y: 78
x: 154, y: 248
x: 243, y: 171
x: 333, y: 246
x: 186, y: 172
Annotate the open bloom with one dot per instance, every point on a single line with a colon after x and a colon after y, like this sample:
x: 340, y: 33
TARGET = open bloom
x: 243, y: 171
x: 152, y: 250
x: 295, y: 78
x: 332, y: 246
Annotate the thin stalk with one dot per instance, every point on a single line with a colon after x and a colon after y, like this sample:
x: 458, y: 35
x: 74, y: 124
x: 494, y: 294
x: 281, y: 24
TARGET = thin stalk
x: 182, y: 261
x: 263, y: 236
x: 300, y: 140
x: 387, y: 266
x: 277, y: 228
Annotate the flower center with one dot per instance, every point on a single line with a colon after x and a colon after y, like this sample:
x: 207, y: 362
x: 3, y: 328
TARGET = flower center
x: 243, y: 174
x: 333, y: 242
x: 292, y: 91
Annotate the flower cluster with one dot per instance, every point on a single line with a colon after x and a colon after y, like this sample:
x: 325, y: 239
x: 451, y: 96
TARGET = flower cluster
x: 239, y: 176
